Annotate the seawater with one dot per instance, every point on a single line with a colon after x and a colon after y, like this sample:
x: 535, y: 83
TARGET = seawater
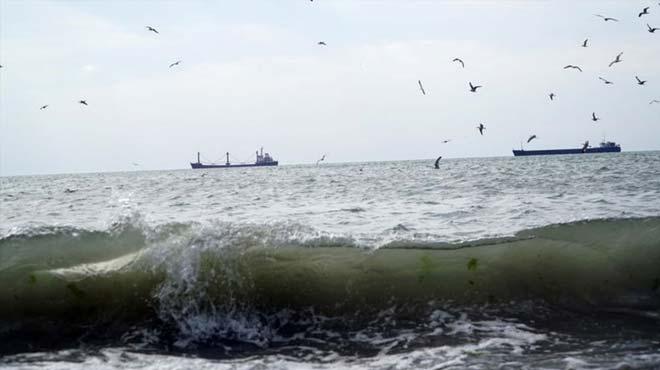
x: 510, y: 263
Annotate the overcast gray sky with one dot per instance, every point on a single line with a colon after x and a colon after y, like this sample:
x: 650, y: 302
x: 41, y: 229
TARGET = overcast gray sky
x: 252, y: 75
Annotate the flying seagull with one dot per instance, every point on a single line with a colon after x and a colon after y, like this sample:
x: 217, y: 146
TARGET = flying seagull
x: 481, y: 128
x: 532, y: 138
x: 644, y: 11
x: 149, y: 28
x: 83, y: 102
x: 436, y: 162
x: 640, y: 82
x: 474, y: 88
x: 552, y: 96
x: 175, y: 63
x: 606, y: 81
x: 446, y: 141
x: 421, y: 87
x: 585, y: 146
x: 606, y: 18
x: 593, y: 117
x: 322, y: 43
x: 652, y: 29
x: 43, y: 107
x: 584, y: 44
x: 617, y: 59
x: 654, y: 101
x: 321, y: 160
x: 574, y: 67
x: 460, y: 61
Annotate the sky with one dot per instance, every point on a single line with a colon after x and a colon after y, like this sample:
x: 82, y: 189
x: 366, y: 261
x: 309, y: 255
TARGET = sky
x: 252, y: 74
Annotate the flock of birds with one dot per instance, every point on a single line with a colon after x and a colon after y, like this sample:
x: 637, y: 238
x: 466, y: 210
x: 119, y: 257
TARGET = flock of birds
x: 473, y: 88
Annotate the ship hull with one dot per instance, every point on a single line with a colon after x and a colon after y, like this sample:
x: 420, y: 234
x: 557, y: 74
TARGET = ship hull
x: 202, y: 166
x: 523, y: 153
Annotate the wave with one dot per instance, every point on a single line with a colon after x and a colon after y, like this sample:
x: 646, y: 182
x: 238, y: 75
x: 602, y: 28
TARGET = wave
x: 236, y: 280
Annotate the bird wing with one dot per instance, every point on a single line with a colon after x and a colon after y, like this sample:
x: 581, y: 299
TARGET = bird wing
x: 478, y: 86
x: 421, y: 87
x: 600, y: 16
x: 611, y: 19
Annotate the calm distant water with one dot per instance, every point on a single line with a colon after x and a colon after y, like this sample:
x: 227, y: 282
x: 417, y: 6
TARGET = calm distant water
x: 513, y: 263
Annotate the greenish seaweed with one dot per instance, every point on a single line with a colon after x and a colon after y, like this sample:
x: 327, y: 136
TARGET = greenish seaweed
x: 77, y: 292
x: 472, y: 264
x: 425, y: 267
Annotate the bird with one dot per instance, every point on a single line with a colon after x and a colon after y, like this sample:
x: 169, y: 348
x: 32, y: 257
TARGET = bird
x: 652, y: 29
x: 83, y: 102
x: 474, y: 88
x: 574, y: 67
x: 321, y: 160
x: 606, y: 18
x: 617, y: 59
x: 584, y: 44
x: 639, y: 82
x: 606, y: 81
x: 175, y: 63
x: 43, y: 107
x: 585, y: 146
x: 481, y: 128
x: 460, y: 61
x: 446, y: 141
x: 531, y: 138
x: 552, y: 96
x: 436, y: 162
x: 136, y: 164
x: 593, y: 117
x: 654, y: 101
x: 421, y: 87
x: 149, y: 28
x: 644, y: 11
x: 322, y: 43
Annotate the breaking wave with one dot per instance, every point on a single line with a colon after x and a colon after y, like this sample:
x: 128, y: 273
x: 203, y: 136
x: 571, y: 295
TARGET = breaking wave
x: 248, y: 283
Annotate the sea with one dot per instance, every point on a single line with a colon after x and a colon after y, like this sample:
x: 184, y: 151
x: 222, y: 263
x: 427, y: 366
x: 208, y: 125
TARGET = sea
x: 549, y: 262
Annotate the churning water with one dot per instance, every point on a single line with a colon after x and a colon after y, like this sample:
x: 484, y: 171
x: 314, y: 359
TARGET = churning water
x: 510, y: 263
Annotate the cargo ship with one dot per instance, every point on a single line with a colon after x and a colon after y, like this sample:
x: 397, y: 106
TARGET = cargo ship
x: 605, y: 147
x: 262, y: 160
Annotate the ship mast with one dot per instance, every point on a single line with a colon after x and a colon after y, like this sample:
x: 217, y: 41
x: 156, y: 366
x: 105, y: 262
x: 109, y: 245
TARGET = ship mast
x: 227, y: 158
x: 198, y: 158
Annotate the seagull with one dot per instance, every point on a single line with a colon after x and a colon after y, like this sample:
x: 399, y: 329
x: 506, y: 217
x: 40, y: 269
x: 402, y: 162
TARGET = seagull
x: 593, y: 117
x: 532, y: 138
x: 652, y: 29
x: 574, y: 67
x: 175, y: 63
x: 552, y: 96
x: 481, y: 128
x: 321, y: 160
x: 322, y: 43
x: 460, y: 61
x: 436, y: 162
x: 43, y: 107
x: 136, y: 164
x: 149, y: 28
x: 446, y: 141
x: 474, y: 88
x: 606, y: 18
x: 644, y: 11
x: 606, y: 81
x: 617, y: 60
x: 654, y: 101
x: 585, y: 146
x: 584, y: 44
x: 83, y: 102
x: 421, y: 87
x: 639, y: 82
